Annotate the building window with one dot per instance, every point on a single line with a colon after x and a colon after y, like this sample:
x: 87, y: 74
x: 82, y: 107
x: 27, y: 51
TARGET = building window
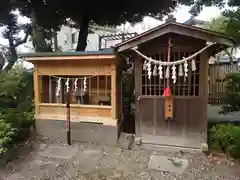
x: 74, y: 37
x: 97, y: 92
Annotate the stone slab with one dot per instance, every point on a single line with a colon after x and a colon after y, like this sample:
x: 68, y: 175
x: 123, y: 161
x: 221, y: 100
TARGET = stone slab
x: 125, y: 141
x: 163, y: 163
x: 59, y: 152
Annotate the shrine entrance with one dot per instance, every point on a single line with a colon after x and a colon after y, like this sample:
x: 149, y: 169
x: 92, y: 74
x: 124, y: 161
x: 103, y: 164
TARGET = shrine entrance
x: 171, y: 78
x: 188, y: 108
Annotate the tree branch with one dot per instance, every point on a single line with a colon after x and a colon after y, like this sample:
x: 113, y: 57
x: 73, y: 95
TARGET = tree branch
x: 24, y: 40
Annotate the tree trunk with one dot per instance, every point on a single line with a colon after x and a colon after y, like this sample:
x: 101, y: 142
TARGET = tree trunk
x: 83, y: 33
x: 13, y: 53
x: 38, y: 38
x: 55, y: 42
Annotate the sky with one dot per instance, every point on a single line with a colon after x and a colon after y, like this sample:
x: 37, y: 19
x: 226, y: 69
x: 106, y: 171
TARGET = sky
x: 181, y: 14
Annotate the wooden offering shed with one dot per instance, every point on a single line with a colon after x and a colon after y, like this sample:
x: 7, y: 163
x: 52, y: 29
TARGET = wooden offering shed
x: 172, y: 60
x: 90, y: 82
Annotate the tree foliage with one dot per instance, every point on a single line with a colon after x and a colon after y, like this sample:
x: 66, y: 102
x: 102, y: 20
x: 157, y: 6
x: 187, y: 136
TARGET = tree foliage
x: 16, y: 107
x: 232, y: 13
x: 8, y: 20
x: 223, y: 25
x: 232, y: 93
x: 51, y: 14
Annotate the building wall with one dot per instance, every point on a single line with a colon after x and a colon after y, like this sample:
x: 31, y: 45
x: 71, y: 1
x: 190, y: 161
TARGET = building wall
x: 67, y: 37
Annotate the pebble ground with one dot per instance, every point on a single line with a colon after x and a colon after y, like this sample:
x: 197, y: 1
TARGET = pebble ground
x: 113, y: 163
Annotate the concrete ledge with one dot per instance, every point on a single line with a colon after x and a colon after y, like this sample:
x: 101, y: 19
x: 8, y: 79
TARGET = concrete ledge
x: 89, y: 132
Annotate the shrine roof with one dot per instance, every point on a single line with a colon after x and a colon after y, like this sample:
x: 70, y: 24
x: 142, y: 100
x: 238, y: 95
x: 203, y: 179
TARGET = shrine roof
x: 109, y: 51
x: 177, y: 28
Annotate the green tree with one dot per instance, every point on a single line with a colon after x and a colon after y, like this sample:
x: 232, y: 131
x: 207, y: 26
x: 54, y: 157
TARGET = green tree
x: 83, y: 13
x: 224, y: 25
x: 232, y: 13
x: 8, y: 20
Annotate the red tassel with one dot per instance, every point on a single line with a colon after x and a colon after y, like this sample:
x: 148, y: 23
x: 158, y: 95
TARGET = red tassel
x: 167, y: 92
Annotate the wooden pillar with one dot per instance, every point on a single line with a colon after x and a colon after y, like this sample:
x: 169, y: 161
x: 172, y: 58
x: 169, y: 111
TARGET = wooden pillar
x: 203, y: 90
x: 50, y: 89
x: 138, y: 93
x: 113, y: 91
x: 36, y: 89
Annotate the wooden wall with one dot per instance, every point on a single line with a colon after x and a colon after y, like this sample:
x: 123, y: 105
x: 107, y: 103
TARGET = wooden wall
x: 216, y: 87
x: 189, y: 111
x: 81, y: 67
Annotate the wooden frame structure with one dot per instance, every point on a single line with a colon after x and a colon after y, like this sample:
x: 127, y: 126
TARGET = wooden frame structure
x: 188, y: 127
x: 93, y: 66
x: 188, y: 124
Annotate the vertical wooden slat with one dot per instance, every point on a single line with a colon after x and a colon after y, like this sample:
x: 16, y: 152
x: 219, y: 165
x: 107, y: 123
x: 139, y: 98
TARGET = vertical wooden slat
x: 173, y: 84
x: 194, y: 79
x: 150, y: 83
x: 179, y: 78
x: 155, y: 81
x: 160, y: 81
x: 50, y: 89
x: 189, y: 76
x: 98, y: 85
x: 146, y: 83
x: 184, y: 81
x: 89, y: 87
x: 106, y: 84
x: 164, y: 70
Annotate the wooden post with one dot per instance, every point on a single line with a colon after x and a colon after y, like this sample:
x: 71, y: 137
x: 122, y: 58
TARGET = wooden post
x: 68, y: 119
x: 36, y: 89
x: 167, y: 91
x: 50, y: 89
x: 113, y: 91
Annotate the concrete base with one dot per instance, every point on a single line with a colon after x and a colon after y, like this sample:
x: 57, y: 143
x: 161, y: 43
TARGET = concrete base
x: 89, y: 132
x: 172, y: 144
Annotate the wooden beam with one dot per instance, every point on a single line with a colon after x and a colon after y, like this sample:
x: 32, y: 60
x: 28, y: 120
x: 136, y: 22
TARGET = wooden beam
x: 75, y: 70
x: 61, y: 58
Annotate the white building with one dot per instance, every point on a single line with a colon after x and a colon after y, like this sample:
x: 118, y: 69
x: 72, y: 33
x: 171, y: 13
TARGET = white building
x: 68, y: 37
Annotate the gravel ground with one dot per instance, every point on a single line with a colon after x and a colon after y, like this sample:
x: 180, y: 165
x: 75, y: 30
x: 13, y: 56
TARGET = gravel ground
x: 94, y: 162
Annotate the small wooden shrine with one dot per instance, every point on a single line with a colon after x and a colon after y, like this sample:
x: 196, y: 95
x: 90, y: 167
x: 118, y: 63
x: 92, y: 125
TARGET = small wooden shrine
x: 89, y: 82
x: 171, y: 82
x: 171, y: 88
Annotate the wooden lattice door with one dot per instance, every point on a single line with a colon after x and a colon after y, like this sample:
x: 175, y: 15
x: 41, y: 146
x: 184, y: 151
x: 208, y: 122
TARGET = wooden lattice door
x: 151, y: 102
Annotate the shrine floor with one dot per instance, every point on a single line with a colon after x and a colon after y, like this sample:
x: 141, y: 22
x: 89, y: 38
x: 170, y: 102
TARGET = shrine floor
x: 42, y: 158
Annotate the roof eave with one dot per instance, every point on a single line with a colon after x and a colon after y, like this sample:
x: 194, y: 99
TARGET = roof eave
x: 165, y: 28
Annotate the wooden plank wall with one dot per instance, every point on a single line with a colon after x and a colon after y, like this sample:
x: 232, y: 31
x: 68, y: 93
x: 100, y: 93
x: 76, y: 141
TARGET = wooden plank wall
x: 216, y: 88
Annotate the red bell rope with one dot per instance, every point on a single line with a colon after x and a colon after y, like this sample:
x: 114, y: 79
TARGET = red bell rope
x: 167, y: 91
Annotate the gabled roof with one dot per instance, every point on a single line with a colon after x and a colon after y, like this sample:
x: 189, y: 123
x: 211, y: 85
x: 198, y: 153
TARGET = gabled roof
x: 178, y: 28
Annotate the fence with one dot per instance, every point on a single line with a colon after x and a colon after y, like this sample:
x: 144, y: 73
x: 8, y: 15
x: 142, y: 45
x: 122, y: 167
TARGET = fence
x: 216, y: 87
